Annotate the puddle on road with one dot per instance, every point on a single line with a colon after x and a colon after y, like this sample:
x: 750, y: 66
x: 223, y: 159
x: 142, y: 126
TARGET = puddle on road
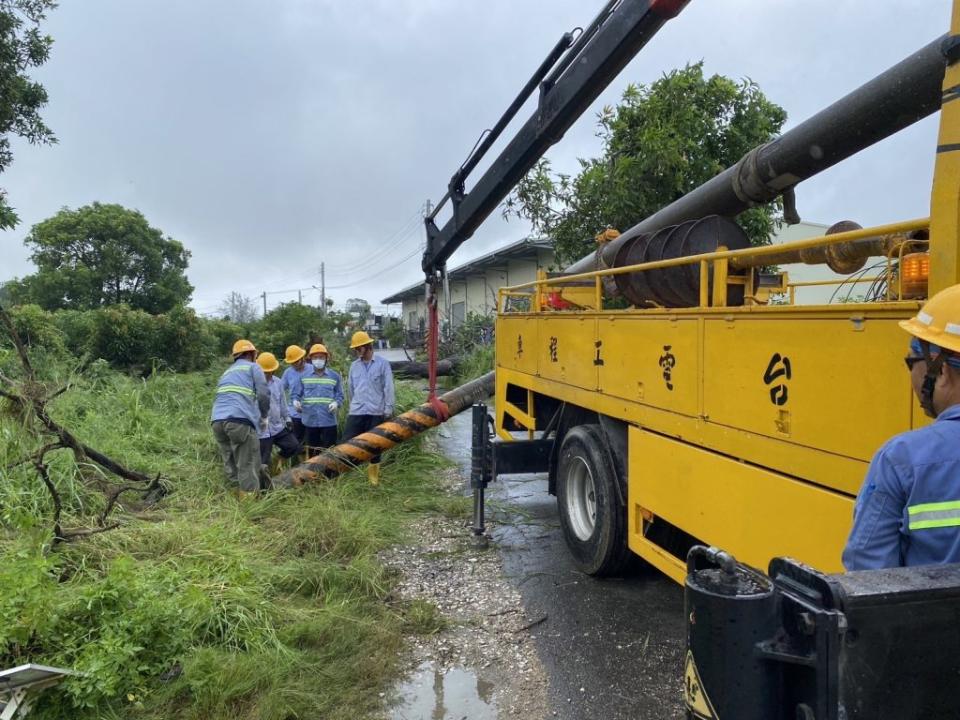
x: 432, y: 694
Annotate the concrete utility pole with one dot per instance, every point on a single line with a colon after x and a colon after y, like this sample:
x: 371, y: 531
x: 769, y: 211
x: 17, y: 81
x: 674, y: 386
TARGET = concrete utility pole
x: 323, y: 289
x: 264, y: 296
x: 299, y: 297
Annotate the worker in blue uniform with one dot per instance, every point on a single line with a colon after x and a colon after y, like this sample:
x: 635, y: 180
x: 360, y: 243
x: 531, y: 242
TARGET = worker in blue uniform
x: 240, y: 409
x: 372, y: 396
x: 321, y: 395
x: 908, y: 511
x: 296, y: 357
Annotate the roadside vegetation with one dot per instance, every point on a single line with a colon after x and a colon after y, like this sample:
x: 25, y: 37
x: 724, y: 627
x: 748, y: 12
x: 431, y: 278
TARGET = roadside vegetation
x: 199, y: 606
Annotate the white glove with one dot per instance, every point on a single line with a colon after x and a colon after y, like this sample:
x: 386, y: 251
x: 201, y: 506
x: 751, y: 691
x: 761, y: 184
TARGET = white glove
x: 298, y: 406
x: 388, y: 413
x: 334, y: 406
x: 263, y: 425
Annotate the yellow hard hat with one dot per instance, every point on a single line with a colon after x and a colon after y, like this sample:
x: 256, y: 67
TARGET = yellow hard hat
x: 939, y: 320
x: 359, y: 339
x: 268, y: 361
x: 318, y: 348
x: 242, y: 346
x: 293, y: 354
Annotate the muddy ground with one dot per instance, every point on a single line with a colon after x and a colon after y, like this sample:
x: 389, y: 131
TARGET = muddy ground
x: 530, y: 636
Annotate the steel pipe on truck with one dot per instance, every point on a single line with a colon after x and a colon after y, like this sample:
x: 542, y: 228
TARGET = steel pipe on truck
x: 895, y: 99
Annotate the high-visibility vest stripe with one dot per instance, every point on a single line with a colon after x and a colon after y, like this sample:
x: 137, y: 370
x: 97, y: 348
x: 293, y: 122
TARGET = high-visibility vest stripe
x: 317, y: 401
x: 927, y: 507
x: 238, y: 368
x: 934, y: 515
x: 235, y: 389
x: 319, y: 381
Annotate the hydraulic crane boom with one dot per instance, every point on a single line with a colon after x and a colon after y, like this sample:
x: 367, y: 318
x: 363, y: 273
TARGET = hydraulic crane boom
x: 569, y: 80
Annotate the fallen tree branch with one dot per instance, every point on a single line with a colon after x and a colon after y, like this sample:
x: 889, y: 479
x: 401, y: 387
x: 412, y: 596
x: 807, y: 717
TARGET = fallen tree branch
x: 68, y: 535
x: 30, y: 393
x: 54, y: 496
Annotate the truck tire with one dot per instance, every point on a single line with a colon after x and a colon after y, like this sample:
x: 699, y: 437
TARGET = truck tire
x: 594, y: 522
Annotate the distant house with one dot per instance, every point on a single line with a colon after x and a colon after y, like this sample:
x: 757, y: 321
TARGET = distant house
x: 474, y: 285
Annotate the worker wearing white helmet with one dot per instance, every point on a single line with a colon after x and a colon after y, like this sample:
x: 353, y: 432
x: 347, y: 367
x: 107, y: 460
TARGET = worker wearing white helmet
x: 908, y: 511
x: 240, y: 410
x: 372, y: 396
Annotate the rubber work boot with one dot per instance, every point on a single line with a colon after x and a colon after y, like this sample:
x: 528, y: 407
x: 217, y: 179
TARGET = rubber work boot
x: 373, y: 473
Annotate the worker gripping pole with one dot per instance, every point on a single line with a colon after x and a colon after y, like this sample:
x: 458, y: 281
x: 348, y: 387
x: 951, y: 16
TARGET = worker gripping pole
x: 362, y: 448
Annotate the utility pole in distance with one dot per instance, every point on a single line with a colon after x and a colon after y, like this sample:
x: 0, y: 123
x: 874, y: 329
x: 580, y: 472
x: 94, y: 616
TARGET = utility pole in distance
x: 264, y: 296
x: 323, y: 289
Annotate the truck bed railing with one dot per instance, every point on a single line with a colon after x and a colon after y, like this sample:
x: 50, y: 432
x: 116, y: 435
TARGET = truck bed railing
x: 585, y: 290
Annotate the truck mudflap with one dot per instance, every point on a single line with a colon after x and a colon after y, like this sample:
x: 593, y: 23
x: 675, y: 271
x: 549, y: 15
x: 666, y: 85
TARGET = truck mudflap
x: 797, y: 643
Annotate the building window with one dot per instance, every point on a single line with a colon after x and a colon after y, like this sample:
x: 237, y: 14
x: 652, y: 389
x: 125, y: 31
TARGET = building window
x: 412, y: 321
x: 458, y: 311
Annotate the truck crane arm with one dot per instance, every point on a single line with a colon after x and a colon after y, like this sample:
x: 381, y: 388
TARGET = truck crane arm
x: 572, y: 76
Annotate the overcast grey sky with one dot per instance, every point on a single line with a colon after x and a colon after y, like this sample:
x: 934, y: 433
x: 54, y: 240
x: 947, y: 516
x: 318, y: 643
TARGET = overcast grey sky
x: 271, y: 136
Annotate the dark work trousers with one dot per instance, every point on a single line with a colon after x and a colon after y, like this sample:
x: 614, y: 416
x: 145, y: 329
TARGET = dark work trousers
x: 320, y: 438
x: 299, y: 429
x: 358, y: 424
x: 286, y: 442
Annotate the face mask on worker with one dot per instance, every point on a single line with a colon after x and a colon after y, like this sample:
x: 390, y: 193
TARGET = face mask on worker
x: 319, y: 363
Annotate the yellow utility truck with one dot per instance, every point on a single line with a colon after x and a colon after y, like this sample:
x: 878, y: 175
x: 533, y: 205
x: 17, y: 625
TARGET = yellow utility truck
x: 714, y: 409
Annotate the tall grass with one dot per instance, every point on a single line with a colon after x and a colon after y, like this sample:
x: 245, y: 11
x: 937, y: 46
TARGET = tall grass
x: 203, y: 607
x: 478, y: 361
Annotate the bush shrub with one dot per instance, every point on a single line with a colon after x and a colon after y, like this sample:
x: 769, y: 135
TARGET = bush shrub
x: 131, y: 340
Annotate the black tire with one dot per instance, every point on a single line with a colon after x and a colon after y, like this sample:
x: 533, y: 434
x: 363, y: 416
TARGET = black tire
x: 594, y: 522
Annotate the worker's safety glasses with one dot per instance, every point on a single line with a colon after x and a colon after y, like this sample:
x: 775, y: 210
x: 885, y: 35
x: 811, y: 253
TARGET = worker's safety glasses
x: 912, y: 360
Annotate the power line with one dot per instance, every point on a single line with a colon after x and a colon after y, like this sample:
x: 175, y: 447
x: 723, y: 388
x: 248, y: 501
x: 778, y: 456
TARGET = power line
x: 380, y: 253
x: 377, y: 274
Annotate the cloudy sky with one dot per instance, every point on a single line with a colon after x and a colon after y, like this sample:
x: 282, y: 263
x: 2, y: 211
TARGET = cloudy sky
x: 269, y: 136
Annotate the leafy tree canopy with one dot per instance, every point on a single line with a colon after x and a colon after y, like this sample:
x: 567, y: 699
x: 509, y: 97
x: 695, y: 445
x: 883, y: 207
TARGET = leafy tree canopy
x: 22, y: 47
x: 662, y: 141
x: 103, y: 255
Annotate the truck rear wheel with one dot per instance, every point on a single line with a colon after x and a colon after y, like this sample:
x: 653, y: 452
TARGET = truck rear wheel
x: 593, y: 521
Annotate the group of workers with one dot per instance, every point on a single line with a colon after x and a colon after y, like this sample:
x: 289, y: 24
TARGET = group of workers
x: 254, y: 411
x: 907, y: 512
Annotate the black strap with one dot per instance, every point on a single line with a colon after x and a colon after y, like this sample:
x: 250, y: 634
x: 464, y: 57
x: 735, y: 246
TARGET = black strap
x: 934, y: 366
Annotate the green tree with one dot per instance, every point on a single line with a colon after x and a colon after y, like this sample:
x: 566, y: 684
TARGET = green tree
x: 22, y: 47
x: 289, y: 324
x: 103, y: 255
x: 662, y: 141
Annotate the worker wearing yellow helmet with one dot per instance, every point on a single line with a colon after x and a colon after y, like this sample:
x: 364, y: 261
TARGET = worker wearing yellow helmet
x: 279, y: 430
x: 240, y: 409
x: 371, y: 394
x: 908, y: 511
x: 296, y: 358
x: 320, y: 398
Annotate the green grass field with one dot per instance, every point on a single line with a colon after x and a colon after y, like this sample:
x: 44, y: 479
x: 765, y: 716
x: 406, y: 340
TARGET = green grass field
x: 203, y: 606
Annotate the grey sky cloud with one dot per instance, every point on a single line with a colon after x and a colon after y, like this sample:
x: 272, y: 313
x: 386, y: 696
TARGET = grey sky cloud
x: 271, y: 136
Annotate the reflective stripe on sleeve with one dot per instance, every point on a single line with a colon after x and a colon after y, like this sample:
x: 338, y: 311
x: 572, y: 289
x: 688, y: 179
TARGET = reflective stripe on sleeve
x: 235, y: 389
x: 934, y: 515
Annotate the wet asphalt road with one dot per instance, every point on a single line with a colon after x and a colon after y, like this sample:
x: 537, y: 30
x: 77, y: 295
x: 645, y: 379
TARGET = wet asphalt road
x: 612, y: 648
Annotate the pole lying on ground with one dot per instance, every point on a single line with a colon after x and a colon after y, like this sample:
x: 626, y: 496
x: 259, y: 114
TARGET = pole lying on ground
x: 358, y: 450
